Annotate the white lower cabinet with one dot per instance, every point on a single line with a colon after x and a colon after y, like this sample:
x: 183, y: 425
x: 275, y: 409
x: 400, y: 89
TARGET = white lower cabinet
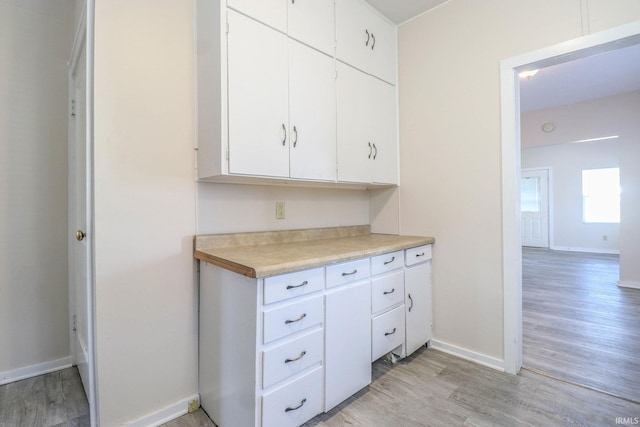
x: 417, y: 285
x: 348, y: 342
x: 277, y: 351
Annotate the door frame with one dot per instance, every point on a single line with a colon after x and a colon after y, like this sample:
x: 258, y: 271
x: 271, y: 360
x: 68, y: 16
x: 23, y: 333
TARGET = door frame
x: 84, y: 37
x: 604, y: 41
x: 550, y: 229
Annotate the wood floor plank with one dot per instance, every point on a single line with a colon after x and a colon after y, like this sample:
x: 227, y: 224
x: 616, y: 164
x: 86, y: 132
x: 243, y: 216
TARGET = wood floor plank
x: 578, y: 325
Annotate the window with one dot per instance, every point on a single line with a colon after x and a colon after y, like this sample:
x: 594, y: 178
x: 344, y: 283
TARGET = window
x: 601, y: 195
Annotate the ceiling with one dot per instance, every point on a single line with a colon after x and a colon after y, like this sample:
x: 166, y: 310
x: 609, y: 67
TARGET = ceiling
x: 596, y: 76
x: 401, y: 10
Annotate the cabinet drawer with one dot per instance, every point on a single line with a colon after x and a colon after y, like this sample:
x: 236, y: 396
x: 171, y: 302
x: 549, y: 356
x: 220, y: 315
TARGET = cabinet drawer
x: 387, y: 332
x: 278, y: 288
x: 347, y: 272
x: 291, y: 358
x: 387, y: 291
x: 386, y: 262
x: 417, y: 255
x: 292, y: 318
x: 295, y: 403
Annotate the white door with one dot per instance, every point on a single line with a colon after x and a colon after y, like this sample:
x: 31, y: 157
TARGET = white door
x: 355, y: 148
x: 534, y: 199
x: 347, y: 342
x: 258, y: 98
x: 383, y: 123
x: 417, y: 288
x: 312, y: 22
x: 312, y: 114
x: 80, y: 217
x: 382, y: 58
x: 353, y: 38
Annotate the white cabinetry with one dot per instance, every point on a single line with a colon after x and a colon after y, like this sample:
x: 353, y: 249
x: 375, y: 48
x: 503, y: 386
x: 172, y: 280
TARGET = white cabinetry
x: 367, y: 128
x: 348, y: 341
x: 266, y: 92
x: 418, y: 297
x: 365, y: 39
x: 281, y: 123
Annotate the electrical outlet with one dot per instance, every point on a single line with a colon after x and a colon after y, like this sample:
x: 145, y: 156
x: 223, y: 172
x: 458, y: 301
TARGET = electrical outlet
x: 193, y: 405
x: 280, y: 212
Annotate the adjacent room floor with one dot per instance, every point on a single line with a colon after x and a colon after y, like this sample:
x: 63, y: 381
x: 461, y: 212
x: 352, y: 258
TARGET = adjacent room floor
x: 578, y: 325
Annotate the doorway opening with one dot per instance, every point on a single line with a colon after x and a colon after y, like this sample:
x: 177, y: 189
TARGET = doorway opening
x: 606, y: 41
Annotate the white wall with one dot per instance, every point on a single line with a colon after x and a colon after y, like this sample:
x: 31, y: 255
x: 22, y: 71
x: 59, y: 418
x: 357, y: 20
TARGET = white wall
x: 450, y: 144
x: 34, y: 318
x: 229, y: 208
x: 567, y: 162
x: 146, y: 297
x: 614, y: 115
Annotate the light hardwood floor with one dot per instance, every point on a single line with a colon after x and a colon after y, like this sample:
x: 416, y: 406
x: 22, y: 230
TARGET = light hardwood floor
x: 430, y: 388
x: 55, y: 399
x: 578, y: 325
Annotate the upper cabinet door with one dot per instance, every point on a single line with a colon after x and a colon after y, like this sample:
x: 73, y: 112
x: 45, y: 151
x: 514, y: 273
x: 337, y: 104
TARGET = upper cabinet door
x: 312, y: 22
x: 384, y: 131
x: 382, y: 61
x: 258, y: 98
x: 365, y: 40
x: 312, y: 113
x: 355, y: 148
x: 270, y: 12
x: 353, y: 38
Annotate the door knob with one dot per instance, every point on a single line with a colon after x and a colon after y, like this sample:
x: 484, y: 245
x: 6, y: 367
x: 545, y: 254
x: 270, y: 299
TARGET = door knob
x: 80, y: 235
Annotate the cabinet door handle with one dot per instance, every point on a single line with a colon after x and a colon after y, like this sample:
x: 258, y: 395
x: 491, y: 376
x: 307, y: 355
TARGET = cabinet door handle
x: 286, y: 322
x: 302, y: 402
x: 370, y: 149
x: 389, y: 292
x: 411, y: 301
x: 349, y: 274
x: 374, y: 41
x: 390, y: 333
x: 368, y: 37
x: 375, y: 152
x: 390, y: 261
x: 297, y: 286
x: 284, y: 134
x: 300, y: 356
x: 295, y: 136
x: 419, y: 255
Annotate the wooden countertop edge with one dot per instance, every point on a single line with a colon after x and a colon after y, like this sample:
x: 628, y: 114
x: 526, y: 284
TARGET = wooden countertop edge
x: 302, y: 264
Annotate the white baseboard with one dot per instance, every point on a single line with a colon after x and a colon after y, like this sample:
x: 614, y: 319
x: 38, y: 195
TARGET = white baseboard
x: 591, y: 250
x: 470, y: 355
x: 7, y: 377
x: 167, y: 414
x: 629, y: 284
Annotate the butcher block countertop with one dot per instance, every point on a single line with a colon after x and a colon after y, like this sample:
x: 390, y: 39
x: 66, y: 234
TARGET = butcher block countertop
x: 266, y: 254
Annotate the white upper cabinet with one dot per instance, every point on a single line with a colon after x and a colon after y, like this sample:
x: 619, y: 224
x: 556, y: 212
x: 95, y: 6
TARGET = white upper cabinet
x: 270, y: 12
x: 312, y: 22
x: 258, y: 105
x: 367, y: 128
x: 365, y: 39
x: 312, y: 106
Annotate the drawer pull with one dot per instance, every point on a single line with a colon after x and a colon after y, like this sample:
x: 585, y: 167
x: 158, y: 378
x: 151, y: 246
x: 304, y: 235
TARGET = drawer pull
x: 390, y: 261
x: 286, y: 322
x: 419, y: 255
x: 411, y: 301
x: 297, y: 286
x: 390, y: 333
x: 300, y: 356
x: 389, y: 292
x: 349, y: 274
x: 302, y: 402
